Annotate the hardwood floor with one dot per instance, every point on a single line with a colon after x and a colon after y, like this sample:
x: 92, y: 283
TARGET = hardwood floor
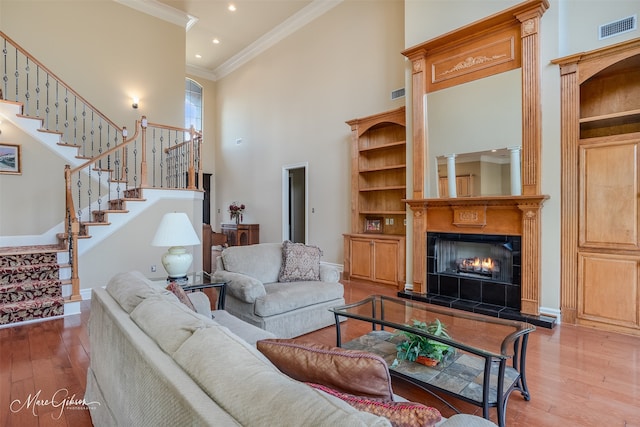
x: 577, y: 376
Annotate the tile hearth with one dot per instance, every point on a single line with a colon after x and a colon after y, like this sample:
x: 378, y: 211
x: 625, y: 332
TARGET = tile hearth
x: 481, y: 308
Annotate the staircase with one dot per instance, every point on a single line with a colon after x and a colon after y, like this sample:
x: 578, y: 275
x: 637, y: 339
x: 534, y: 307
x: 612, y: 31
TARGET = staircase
x: 31, y: 284
x: 106, y: 169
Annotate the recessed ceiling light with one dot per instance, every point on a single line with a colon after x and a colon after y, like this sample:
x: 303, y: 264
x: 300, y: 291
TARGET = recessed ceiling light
x: 216, y: 41
x: 198, y: 56
x: 232, y: 7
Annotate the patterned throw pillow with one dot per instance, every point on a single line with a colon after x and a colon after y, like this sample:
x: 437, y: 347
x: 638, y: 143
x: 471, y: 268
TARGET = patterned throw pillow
x: 181, y: 294
x: 400, y: 414
x: 349, y: 371
x: 299, y: 262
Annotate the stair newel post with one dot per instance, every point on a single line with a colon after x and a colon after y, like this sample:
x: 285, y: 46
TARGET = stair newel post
x: 73, y: 229
x: 192, y: 175
x: 143, y: 164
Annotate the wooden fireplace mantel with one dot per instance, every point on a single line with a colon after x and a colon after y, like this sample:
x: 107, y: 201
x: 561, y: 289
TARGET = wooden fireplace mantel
x: 511, y: 215
x: 504, y: 41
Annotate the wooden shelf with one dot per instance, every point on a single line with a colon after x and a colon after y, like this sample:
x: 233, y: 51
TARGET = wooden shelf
x: 619, y: 115
x: 382, y: 212
x: 383, y: 168
x: 386, y: 188
x: 385, y: 146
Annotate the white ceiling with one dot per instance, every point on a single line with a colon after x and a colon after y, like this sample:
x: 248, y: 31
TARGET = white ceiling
x: 254, y: 26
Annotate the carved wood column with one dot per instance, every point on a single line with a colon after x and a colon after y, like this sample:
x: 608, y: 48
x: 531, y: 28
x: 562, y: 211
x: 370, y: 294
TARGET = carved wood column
x: 570, y: 94
x: 531, y: 104
x: 419, y: 249
x: 418, y: 123
x: 531, y: 254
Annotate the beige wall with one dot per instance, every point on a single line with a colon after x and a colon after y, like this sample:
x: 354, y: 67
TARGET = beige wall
x: 289, y: 106
x: 567, y: 27
x: 27, y: 207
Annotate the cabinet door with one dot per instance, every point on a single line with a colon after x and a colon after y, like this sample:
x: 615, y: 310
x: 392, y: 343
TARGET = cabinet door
x: 609, y: 195
x: 361, y: 260
x: 608, y: 291
x: 386, y: 261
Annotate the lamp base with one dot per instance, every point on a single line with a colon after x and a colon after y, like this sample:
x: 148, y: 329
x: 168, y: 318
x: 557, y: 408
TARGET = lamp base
x: 184, y: 280
x: 177, y: 262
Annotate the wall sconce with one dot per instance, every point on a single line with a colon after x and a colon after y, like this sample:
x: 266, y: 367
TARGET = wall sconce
x: 135, y: 103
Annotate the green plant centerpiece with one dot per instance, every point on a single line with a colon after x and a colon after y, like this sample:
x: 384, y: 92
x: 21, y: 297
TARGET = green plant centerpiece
x: 420, y: 349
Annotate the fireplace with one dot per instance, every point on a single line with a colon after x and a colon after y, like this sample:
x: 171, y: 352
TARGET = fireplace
x: 474, y: 272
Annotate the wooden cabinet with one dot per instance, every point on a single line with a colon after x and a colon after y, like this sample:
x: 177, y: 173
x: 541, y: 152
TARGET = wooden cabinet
x: 376, y: 258
x: 241, y: 234
x: 378, y: 188
x: 601, y: 182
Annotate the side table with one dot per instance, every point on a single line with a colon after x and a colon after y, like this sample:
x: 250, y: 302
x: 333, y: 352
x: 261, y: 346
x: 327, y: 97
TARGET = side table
x: 202, y: 280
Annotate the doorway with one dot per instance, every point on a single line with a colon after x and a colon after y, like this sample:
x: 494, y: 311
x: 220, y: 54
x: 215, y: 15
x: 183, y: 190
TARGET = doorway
x: 294, y: 203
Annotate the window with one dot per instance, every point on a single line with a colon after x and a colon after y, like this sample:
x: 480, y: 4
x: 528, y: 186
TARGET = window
x: 192, y: 104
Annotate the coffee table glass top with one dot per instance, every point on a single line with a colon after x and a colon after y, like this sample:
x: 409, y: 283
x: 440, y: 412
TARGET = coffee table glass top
x: 489, y: 335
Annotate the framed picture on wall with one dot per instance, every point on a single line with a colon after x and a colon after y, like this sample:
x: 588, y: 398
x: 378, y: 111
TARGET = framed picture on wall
x: 373, y: 224
x: 10, y: 159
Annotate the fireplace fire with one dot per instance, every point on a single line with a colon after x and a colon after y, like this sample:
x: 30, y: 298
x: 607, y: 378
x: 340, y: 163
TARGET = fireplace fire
x: 481, y: 266
x: 486, y: 260
x: 474, y: 270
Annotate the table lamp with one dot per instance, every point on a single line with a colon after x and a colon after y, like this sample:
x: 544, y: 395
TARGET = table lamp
x: 175, y: 231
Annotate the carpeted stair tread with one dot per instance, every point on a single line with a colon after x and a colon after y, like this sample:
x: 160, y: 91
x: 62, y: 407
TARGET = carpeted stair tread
x: 30, y: 310
x: 29, y: 290
x: 22, y: 273
x: 28, y: 258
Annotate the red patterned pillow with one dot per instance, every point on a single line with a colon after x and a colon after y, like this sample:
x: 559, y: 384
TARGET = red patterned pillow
x: 181, y: 294
x: 400, y: 414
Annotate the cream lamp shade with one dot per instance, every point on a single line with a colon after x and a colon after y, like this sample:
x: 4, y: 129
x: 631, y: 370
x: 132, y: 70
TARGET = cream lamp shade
x: 176, y: 231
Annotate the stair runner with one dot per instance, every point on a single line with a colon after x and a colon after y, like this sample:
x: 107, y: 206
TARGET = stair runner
x: 30, y: 286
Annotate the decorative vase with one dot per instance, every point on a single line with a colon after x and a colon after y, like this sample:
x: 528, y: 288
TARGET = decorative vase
x: 427, y: 361
x: 237, y: 219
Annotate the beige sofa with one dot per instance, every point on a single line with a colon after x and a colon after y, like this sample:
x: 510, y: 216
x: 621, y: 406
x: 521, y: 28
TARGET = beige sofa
x: 256, y: 295
x: 155, y: 362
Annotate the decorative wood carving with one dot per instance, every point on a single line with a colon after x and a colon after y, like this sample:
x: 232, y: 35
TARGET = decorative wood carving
x: 472, y: 216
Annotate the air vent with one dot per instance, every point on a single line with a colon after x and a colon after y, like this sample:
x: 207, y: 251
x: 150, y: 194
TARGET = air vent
x: 618, y: 27
x: 398, y: 93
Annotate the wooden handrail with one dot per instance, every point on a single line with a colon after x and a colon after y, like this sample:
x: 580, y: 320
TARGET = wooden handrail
x: 110, y: 151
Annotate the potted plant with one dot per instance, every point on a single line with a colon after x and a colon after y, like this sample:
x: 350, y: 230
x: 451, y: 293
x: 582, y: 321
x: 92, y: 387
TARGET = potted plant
x: 420, y: 349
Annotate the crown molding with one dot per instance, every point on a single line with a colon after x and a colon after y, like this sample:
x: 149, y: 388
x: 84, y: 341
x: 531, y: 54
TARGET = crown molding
x: 201, y: 72
x: 161, y: 11
x: 288, y: 27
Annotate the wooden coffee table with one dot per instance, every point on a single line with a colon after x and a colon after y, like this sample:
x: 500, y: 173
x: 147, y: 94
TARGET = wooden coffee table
x: 490, y: 356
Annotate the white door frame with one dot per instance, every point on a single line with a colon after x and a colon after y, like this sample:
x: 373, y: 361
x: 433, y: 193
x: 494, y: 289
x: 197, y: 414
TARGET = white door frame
x: 285, y: 199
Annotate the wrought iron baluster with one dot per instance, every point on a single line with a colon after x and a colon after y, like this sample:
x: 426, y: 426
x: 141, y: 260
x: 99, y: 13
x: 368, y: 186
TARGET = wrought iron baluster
x: 5, y: 76
x: 16, y: 73
x: 26, y: 110
x: 37, y: 91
